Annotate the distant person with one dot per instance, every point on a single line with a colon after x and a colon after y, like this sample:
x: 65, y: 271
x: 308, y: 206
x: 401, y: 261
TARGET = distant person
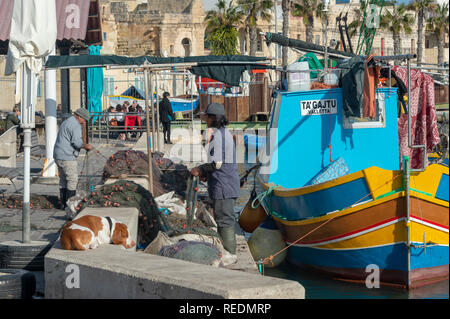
x: 13, y: 119
x: 134, y: 106
x: 112, y: 121
x: 125, y: 106
x: 112, y: 114
x: 140, y: 112
x: 120, y: 116
x: 166, y: 115
x: 68, y: 144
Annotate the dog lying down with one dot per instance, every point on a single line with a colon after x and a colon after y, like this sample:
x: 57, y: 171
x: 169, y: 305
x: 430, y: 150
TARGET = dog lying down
x: 91, y: 231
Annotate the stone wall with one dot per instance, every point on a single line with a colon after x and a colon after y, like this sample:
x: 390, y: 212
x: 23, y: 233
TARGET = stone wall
x: 153, y: 28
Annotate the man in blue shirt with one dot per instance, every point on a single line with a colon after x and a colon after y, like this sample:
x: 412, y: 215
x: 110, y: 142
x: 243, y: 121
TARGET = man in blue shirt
x: 222, y: 175
x: 67, y: 148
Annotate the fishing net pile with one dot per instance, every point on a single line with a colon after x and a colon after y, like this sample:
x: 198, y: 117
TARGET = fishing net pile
x: 124, y: 193
x: 194, y: 251
x: 167, y: 176
x: 36, y: 201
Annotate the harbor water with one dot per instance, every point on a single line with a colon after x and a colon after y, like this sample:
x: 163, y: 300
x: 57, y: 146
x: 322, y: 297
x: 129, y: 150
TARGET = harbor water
x: 319, y: 286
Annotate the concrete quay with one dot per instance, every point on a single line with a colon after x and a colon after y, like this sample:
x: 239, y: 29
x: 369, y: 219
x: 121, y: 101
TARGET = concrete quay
x: 113, y: 272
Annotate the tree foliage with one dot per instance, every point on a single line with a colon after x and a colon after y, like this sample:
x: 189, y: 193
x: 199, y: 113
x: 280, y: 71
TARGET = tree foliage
x: 221, y: 28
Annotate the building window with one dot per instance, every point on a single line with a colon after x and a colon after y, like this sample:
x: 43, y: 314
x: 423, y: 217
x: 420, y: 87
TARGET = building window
x: 427, y: 44
x: 108, y: 88
x: 139, y: 83
x: 187, y: 46
x: 39, y: 88
x: 413, y: 46
x: 243, y: 41
x: 172, y: 49
x: 259, y: 43
x: 104, y: 36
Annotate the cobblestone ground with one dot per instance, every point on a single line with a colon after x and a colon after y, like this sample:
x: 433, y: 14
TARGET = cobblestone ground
x: 46, y: 223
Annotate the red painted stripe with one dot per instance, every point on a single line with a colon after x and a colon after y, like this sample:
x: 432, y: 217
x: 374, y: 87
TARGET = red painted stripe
x: 430, y: 222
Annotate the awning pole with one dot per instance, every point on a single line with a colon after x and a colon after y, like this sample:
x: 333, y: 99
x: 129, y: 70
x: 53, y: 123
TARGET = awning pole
x: 149, y: 141
x: 51, y: 127
x: 29, y: 90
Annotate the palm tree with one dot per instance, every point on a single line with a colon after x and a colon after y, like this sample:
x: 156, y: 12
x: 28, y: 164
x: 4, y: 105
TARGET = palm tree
x: 286, y: 8
x: 221, y: 28
x: 358, y: 13
x: 308, y: 9
x: 421, y: 7
x: 397, y: 21
x: 253, y: 10
x: 438, y: 24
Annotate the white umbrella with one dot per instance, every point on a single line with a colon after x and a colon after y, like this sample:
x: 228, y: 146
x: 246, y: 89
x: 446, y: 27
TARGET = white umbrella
x: 32, y: 38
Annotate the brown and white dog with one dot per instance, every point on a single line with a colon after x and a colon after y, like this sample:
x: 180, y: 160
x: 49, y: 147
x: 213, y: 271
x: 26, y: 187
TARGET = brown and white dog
x: 91, y: 231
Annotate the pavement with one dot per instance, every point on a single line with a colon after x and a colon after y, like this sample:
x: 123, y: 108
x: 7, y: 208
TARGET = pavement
x: 46, y: 223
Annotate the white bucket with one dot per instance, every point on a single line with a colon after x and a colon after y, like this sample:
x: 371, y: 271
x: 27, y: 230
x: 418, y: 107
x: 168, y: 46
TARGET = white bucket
x: 332, y: 78
x: 299, y: 80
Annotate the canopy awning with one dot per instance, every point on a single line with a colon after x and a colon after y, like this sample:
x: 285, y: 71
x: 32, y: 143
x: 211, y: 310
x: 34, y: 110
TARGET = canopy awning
x: 227, y: 69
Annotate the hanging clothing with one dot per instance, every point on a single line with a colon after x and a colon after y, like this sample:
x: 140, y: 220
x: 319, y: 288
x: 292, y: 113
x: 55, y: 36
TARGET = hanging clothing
x: 424, y: 129
x: 352, y: 78
x: 401, y: 91
x: 371, y: 76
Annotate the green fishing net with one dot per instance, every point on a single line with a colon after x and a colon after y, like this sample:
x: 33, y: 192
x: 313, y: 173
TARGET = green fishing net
x: 125, y: 193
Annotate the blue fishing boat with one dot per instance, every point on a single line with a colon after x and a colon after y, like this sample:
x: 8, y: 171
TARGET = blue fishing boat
x: 335, y: 187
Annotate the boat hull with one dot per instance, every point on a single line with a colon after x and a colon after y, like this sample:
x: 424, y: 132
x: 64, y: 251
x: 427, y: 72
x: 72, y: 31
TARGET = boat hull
x: 349, y: 240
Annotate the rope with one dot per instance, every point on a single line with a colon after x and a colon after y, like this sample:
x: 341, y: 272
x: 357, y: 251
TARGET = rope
x: 261, y: 196
x: 271, y: 257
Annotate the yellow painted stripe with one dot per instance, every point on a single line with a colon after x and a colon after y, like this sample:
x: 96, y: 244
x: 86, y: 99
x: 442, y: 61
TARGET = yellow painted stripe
x: 362, y: 207
x: 384, y: 236
x: 391, y: 234
x: 428, y: 181
x: 431, y: 234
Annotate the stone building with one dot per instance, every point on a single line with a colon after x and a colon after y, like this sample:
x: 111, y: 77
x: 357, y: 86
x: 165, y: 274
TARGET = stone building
x: 153, y: 27
x: 177, y: 28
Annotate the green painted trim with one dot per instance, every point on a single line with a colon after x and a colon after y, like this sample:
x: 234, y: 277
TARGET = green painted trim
x: 421, y: 192
x: 398, y: 190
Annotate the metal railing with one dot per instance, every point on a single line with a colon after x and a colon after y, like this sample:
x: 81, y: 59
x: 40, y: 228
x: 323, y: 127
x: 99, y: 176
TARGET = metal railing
x: 102, y: 126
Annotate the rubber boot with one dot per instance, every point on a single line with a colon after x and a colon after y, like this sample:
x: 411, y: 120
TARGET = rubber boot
x: 70, y: 194
x: 62, y: 198
x: 228, y: 237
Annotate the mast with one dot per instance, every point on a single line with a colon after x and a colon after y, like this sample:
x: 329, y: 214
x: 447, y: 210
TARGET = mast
x: 325, y: 39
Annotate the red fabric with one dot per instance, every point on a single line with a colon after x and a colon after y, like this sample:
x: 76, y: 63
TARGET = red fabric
x: 424, y: 129
x: 132, y: 120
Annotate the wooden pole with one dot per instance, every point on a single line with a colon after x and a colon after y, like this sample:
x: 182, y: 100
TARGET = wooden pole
x: 152, y: 99
x: 149, y: 140
x: 158, y: 147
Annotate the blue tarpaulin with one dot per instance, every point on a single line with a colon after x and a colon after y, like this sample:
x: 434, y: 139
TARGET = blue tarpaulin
x: 95, y: 84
